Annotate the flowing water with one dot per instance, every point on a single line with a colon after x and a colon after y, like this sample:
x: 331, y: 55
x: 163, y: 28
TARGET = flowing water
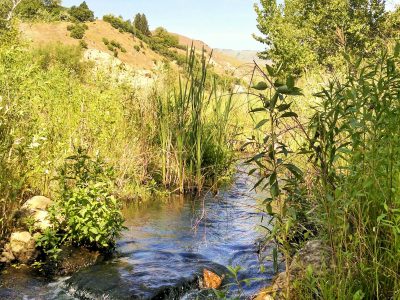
x: 163, y: 252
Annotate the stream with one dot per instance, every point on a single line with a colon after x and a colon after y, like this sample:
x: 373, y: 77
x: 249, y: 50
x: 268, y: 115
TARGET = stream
x: 163, y: 252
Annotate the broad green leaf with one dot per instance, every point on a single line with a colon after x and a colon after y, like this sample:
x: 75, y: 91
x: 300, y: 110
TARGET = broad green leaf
x: 261, y: 86
x: 290, y: 82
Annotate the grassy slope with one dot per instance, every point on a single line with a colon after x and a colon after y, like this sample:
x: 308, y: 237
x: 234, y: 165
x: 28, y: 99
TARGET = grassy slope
x: 43, y: 33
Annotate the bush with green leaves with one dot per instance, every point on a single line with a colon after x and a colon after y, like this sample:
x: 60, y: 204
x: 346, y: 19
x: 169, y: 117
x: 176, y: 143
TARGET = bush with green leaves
x: 87, y: 213
x: 119, y: 23
x: 77, y: 30
x: 105, y: 41
x: 334, y: 174
x: 83, y: 44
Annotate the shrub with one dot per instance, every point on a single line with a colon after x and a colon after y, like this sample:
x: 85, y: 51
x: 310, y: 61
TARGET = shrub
x: 123, y: 50
x: 105, y: 41
x: 137, y: 48
x: 162, y: 36
x: 77, y: 30
x: 87, y: 213
x: 83, y: 44
x: 110, y: 47
x: 58, y: 55
x: 115, y: 52
x: 119, y: 23
x: 82, y: 13
x: 115, y: 44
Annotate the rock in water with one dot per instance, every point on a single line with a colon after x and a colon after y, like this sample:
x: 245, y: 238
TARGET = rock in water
x: 22, y: 246
x: 211, y: 280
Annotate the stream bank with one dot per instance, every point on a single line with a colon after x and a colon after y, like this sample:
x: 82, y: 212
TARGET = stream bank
x: 164, y: 251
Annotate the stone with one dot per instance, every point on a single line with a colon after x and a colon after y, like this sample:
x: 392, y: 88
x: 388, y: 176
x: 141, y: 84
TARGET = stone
x: 35, y: 211
x: 211, y: 280
x: 7, y: 255
x: 23, y: 247
x: 37, y: 203
x: 42, y: 220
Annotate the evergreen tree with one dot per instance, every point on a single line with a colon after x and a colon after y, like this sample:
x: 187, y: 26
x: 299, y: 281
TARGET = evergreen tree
x: 141, y: 24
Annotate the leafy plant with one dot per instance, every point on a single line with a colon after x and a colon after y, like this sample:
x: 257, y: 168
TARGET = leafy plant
x: 87, y: 213
x: 275, y: 162
x: 77, y: 30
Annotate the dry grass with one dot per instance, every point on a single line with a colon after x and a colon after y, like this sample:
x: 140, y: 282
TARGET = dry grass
x: 45, y: 33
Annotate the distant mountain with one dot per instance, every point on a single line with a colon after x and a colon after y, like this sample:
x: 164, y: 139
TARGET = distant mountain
x: 242, y: 55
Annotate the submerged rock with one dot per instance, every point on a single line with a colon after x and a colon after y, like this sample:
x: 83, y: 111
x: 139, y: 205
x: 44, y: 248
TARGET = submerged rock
x: 23, y: 247
x: 73, y: 259
x: 211, y: 280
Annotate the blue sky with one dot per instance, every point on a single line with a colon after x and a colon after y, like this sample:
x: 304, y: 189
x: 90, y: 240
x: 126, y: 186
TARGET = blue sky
x: 219, y: 23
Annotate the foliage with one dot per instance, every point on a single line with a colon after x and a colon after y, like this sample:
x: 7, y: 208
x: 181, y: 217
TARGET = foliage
x: 50, y: 241
x: 83, y: 44
x: 162, y: 36
x: 82, y: 13
x: 304, y: 34
x: 195, y: 146
x: 355, y: 143
x: 350, y: 197
x: 238, y: 284
x: 77, y: 30
x: 119, y: 23
x: 40, y: 9
x: 87, y: 213
x: 52, y: 99
x: 274, y: 161
x: 54, y: 55
x: 141, y: 24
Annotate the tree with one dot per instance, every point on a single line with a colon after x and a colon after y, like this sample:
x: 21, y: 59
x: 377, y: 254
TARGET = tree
x: 29, y: 9
x: 301, y: 34
x: 163, y: 37
x: 82, y: 13
x: 141, y: 24
x: 7, y: 11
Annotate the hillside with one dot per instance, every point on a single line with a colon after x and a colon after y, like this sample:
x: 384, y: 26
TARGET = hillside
x: 44, y: 33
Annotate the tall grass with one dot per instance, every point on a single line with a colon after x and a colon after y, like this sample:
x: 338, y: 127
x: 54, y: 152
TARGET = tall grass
x: 193, y: 124
x: 52, y: 102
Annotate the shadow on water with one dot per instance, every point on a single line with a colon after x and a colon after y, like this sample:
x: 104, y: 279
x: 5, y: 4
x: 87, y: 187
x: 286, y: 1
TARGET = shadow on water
x: 164, y: 251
